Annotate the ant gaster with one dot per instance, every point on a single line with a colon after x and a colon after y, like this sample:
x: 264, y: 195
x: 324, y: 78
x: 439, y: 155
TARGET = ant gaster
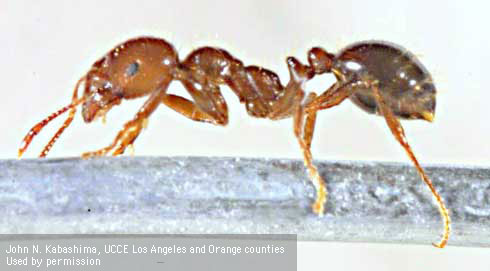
x: 379, y: 77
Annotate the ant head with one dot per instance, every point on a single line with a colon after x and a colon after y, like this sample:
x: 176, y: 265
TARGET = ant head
x: 100, y: 94
x: 132, y: 69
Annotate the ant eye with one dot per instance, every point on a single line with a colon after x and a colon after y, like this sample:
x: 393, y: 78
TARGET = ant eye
x: 132, y: 69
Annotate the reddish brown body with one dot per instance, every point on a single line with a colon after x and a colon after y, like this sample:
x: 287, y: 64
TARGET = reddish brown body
x: 148, y: 65
x: 379, y: 77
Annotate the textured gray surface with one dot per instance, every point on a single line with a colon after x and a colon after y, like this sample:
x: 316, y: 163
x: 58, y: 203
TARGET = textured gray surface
x: 369, y: 202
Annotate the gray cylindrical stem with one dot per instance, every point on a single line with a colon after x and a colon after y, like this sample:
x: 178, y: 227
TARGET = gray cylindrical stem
x: 368, y: 202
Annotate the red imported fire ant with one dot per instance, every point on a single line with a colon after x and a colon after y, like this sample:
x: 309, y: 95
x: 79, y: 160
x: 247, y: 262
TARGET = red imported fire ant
x: 379, y: 77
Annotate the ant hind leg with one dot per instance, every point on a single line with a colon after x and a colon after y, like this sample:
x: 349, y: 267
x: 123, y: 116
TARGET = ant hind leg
x: 397, y: 130
x: 333, y: 96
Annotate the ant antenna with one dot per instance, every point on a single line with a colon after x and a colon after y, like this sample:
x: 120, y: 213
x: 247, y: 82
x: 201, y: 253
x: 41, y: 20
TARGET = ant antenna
x: 39, y: 126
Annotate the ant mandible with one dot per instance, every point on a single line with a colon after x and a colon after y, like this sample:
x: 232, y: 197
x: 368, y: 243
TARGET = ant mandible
x: 379, y: 77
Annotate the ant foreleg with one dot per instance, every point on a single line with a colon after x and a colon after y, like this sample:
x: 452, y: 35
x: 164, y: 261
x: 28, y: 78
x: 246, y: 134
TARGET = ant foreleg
x: 397, y: 130
x: 132, y: 129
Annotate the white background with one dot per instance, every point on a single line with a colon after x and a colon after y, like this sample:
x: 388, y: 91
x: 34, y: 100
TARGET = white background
x: 46, y: 46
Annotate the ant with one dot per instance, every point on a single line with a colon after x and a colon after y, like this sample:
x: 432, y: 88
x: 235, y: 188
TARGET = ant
x: 379, y: 77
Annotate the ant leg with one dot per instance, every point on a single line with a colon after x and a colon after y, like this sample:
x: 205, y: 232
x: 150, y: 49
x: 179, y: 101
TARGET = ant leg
x: 207, y: 99
x: 189, y: 109
x: 309, y: 127
x: 293, y: 92
x: 304, y: 133
x: 132, y: 129
x: 333, y: 96
x: 397, y: 130
x: 284, y: 107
